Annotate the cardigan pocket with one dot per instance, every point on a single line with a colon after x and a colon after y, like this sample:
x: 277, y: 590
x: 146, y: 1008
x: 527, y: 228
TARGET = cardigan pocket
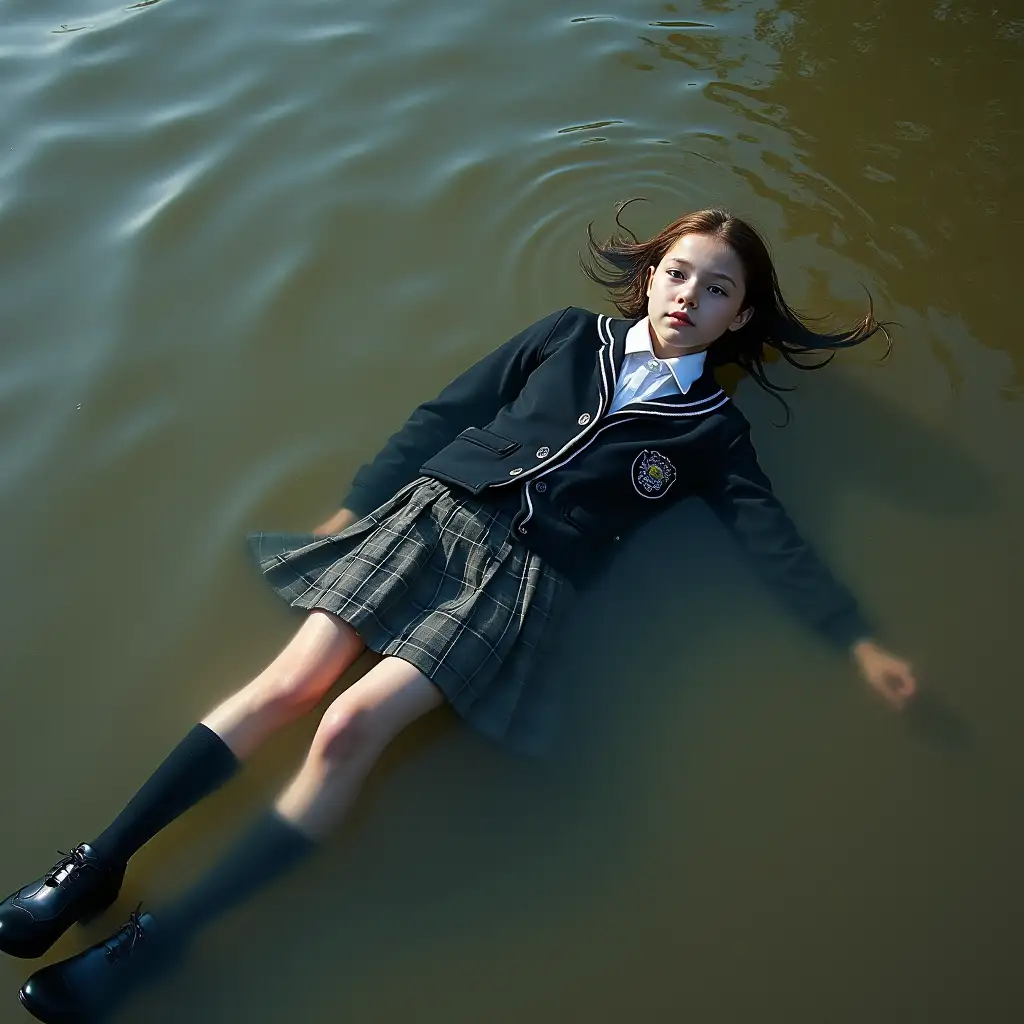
x: 492, y: 442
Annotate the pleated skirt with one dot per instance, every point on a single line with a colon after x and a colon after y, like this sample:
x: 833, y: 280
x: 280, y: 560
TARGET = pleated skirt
x: 440, y: 580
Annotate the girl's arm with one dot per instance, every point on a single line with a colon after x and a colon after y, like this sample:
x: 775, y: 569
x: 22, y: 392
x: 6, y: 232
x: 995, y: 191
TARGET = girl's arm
x: 741, y: 496
x: 472, y: 399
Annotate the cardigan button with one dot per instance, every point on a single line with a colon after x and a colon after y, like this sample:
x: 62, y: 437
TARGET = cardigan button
x: 543, y: 453
x: 584, y: 419
x: 541, y: 487
x: 516, y: 471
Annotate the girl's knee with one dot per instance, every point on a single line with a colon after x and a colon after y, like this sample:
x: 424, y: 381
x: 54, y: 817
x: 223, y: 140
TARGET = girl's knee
x: 364, y: 719
x: 348, y: 732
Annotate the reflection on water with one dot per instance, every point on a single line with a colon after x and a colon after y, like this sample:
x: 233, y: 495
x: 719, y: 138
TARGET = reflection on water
x: 238, y: 243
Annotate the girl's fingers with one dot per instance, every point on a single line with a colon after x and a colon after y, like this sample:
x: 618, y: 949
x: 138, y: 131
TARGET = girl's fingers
x: 896, y: 684
x: 907, y: 683
x: 902, y: 686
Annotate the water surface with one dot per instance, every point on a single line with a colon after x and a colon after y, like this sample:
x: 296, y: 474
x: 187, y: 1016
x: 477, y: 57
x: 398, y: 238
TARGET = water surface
x: 238, y: 242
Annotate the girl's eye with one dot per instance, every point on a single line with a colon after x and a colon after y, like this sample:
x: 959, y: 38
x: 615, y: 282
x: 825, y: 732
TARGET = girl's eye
x: 718, y: 291
x: 677, y: 274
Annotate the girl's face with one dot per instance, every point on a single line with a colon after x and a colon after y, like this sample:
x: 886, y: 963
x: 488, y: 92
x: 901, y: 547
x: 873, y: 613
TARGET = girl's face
x: 695, y: 295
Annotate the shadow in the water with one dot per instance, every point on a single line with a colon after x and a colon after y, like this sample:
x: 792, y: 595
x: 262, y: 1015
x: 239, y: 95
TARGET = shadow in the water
x: 932, y: 719
x: 844, y: 435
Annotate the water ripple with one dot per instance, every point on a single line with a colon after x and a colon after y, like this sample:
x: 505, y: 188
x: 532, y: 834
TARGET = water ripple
x: 163, y: 193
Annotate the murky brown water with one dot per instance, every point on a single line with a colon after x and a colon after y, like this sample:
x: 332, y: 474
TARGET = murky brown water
x: 214, y: 221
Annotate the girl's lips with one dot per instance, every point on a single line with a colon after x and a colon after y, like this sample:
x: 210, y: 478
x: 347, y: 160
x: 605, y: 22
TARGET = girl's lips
x: 681, y: 318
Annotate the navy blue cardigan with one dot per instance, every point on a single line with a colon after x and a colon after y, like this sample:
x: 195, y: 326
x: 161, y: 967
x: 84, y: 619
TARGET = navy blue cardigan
x: 528, y: 426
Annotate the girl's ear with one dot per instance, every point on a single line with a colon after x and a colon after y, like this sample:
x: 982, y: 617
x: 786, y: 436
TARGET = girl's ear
x: 742, y: 318
x: 650, y: 281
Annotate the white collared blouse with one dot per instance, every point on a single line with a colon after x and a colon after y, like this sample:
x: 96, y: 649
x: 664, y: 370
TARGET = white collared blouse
x: 644, y: 376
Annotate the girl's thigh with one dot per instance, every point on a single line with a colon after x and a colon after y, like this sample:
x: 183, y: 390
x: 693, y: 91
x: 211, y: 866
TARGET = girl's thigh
x: 321, y: 649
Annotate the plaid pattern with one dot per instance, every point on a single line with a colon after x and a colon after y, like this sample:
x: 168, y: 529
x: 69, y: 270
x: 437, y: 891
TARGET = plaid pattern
x: 439, y: 581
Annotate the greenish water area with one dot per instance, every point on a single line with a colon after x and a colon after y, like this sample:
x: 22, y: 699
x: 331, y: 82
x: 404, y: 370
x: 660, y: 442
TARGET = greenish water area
x: 239, y: 242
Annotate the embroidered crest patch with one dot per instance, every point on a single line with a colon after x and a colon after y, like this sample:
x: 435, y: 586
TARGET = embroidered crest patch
x: 653, y: 474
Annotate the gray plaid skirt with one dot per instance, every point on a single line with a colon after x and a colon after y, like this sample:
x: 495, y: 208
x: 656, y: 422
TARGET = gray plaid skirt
x: 438, y: 580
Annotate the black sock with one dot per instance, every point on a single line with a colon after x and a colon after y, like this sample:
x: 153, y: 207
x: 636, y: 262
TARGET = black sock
x: 270, y: 848
x: 197, y: 766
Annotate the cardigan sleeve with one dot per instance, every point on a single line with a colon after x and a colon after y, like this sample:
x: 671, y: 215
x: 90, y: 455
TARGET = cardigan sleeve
x: 741, y: 496
x: 472, y: 399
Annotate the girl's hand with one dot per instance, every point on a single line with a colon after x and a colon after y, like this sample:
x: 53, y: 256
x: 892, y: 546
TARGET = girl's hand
x: 341, y: 520
x: 892, y: 677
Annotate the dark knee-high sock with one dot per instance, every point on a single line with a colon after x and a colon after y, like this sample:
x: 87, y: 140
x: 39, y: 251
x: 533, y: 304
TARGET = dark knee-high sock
x: 271, y: 847
x: 197, y: 766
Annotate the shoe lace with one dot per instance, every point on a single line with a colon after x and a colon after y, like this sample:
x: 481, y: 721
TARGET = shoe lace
x: 66, y: 867
x: 124, y: 941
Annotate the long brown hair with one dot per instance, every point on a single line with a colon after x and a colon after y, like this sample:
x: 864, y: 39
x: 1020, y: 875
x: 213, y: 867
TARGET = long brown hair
x: 621, y: 265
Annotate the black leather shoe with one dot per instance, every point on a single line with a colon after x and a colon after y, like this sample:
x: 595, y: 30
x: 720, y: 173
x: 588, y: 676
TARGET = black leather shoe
x: 92, y: 983
x: 76, y: 888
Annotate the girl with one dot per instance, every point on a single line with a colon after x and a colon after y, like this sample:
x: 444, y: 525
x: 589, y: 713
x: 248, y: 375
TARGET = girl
x: 455, y: 550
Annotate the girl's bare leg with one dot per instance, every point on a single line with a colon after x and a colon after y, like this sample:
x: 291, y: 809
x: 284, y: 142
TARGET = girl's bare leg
x: 290, y: 686
x: 353, y: 732
x: 209, y: 755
